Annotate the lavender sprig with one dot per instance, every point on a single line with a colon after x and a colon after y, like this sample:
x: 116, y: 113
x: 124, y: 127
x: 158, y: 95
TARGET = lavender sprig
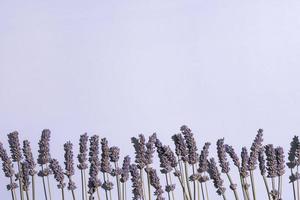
x: 155, y: 182
x: 58, y: 175
x: 191, y: 145
x: 137, y: 189
x: 215, y: 175
x: 94, y: 181
x: 83, y: 151
x: 69, y: 166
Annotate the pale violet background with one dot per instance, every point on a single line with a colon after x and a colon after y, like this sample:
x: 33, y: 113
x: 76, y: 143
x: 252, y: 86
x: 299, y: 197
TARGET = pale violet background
x: 120, y: 68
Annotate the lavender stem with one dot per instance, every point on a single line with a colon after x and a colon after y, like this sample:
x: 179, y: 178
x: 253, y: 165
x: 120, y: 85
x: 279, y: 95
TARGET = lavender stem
x: 267, y: 186
x: 252, y: 184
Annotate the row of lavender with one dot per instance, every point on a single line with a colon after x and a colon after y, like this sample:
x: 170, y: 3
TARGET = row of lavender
x: 192, y: 170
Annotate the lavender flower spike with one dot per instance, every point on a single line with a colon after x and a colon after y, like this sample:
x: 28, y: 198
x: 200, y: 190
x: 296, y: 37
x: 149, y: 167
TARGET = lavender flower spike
x: 150, y: 149
x: 25, y: 176
x: 139, y: 145
x: 137, y: 189
x: 69, y: 164
x: 180, y: 147
x: 280, y: 161
x: 236, y: 161
x: 191, y: 144
x: 271, y: 161
x: 29, y: 158
x: 58, y: 173
x: 105, y: 164
x: 94, y: 181
x: 7, y: 167
x: 114, y: 154
x: 294, y: 153
x: 256, y: 145
x: 125, y: 169
x: 224, y: 164
x: 83, y: 149
x: 15, y: 147
x: 262, y: 161
x: 244, y: 167
x: 216, y: 177
x: 155, y: 182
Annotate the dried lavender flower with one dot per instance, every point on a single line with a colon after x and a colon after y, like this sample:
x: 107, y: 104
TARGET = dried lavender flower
x: 155, y: 182
x: 125, y: 169
x: 69, y: 161
x: 29, y: 158
x: 94, y: 182
x: 107, y: 185
x: 191, y: 144
x: 224, y: 164
x: 114, y: 154
x: 294, y: 152
x: 262, y: 162
x: 105, y: 164
x: 271, y: 161
x: 203, y: 162
x: 165, y: 163
x: 256, y: 145
x: 15, y: 147
x: 44, y: 148
x: 150, y: 149
x: 25, y: 176
x: 180, y: 147
x: 137, y: 189
x: 7, y: 165
x: 139, y: 145
x: 83, y: 149
x: 69, y: 164
x: 58, y: 173
x: 244, y: 167
x: 215, y: 175
x: 280, y: 161
x: 231, y: 152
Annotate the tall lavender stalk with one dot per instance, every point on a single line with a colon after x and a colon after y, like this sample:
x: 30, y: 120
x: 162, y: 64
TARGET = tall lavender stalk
x: 139, y: 145
x: 155, y: 182
x: 272, y: 168
x: 69, y: 167
x: 94, y: 182
x: 182, y: 155
x: 114, y: 155
x: 203, y: 168
x: 293, y: 162
x: 30, y: 164
x: 25, y: 178
x: 215, y: 175
x: 137, y: 188
x: 150, y: 149
x: 192, y: 152
x: 44, y: 159
x: 224, y: 164
x: 244, y: 171
x: 82, y: 159
x: 256, y: 145
x: 125, y: 175
x: 106, y: 167
x: 8, y: 169
x: 58, y: 175
x: 262, y: 168
x: 280, y: 168
x: 16, y: 153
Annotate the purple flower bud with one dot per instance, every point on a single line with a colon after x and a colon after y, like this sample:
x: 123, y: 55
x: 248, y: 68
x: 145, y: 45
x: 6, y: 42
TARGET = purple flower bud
x: 137, y: 189
x: 224, y: 164
x: 29, y: 158
x: 44, y: 148
x: 256, y: 145
x: 191, y: 144
x: 114, y: 154
x: 105, y: 164
x: 58, y: 173
x: 15, y: 147
x: 125, y: 169
x: 216, y: 177
x: 83, y: 149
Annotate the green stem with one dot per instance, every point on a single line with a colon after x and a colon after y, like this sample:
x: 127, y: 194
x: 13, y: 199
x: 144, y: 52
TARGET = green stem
x: 252, y: 184
x: 82, y: 185
x: 187, y: 178
x: 125, y: 191
x: 206, y: 190
x: 106, y: 194
x: 48, y: 182
x: 62, y: 194
x: 98, y: 193
x: 143, y: 185
x: 298, y: 194
x: 202, y: 191
x: 20, y: 181
x: 44, y: 184
x: 267, y: 186
x: 246, y: 188
x: 194, y: 184
x: 149, y: 186
x: 182, y: 177
x: 185, y: 195
x: 12, y: 190
x: 33, y: 187
x: 85, y: 187
x: 27, y: 195
x: 294, y: 191
x: 243, y: 189
x: 173, y: 197
x: 234, y: 189
x: 169, y: 197
x: 109, y: 190
x: 224, y: 197
x: 73, y: 194
x: 118, y: 182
